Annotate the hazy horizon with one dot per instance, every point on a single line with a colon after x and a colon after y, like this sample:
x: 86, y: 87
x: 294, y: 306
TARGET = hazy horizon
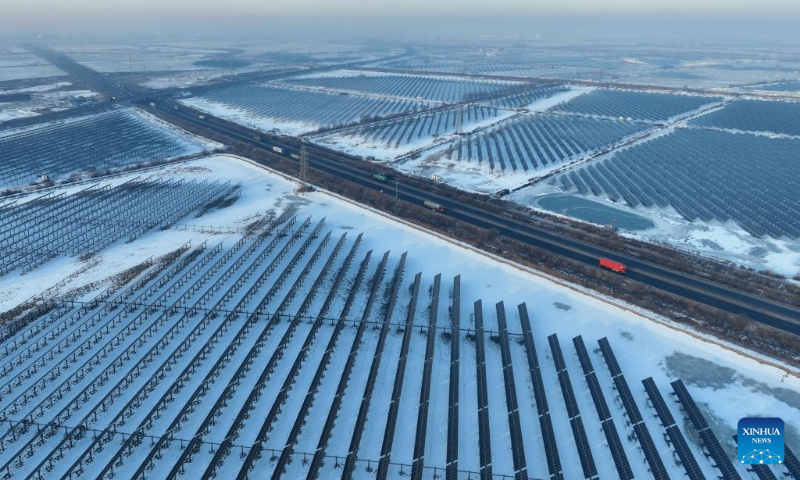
x: 738, y: 20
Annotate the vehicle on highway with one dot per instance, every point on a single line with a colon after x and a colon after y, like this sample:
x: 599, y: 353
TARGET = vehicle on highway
x: 613, y: 265
x: 277, y: 150
x: 380, y: 177
x: 201, y: 117
x: 434, y: 206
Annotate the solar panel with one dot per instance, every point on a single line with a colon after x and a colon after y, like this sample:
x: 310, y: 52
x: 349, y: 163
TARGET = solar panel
x: 484, y: 434
x: 617, y: 452
x: 569, y: 394
x: 627, y: 399
x: 597, y: 395
x: 584, y: 451
x: 721, y: 459
x: 555, y: 348
x: 689, y: 406
x: 548, y: 436
x: 710, y: 441
x: 608, y: 354
x: 550, y: 447
x: 791, y: 462
x: 684, y: 453
x: 515, y: 429
x: 451, y: 470
x: 650, y: 452
x: 763, y: 472
x: 658, y: 402
x: 583, y: 355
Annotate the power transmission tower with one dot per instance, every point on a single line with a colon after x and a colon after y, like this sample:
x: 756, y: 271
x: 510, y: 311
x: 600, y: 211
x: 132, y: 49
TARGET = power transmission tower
x: 303, y: 165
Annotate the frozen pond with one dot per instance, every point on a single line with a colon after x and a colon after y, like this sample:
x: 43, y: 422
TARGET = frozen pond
x: 592, y: 211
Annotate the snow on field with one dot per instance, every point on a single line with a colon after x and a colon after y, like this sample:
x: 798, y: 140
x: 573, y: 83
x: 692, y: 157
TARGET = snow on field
x: 38, y: 88
x: 22, y: 65
x: 245, y: 118
x: 726, y: 384
x: 547, y: 103
x: 44, y: 98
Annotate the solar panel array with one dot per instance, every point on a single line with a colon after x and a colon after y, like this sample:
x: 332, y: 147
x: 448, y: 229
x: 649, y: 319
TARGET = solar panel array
x: 355, y: 442
x: 657, y: 468
x: 397, y: 390
x: 514, y: 424
x: 749, y: 179
x: 609, y: 429
x: 791, y: 461
x: 425, y: 391
x: 35, y: 231
x: 109, y: 140
x: 246, y: 403
x: 755, y: 116
x: 638, y: 105
x: 540, y: 395
x: 451, y: 468
x: 484, y: 433
x: 673, y: 432
x: 710, y: 441
x: 578, y: 431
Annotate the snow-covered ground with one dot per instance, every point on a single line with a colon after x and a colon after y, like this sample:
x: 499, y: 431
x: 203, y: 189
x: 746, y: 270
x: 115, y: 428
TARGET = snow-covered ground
x: 246, y: 118
x: 727, y: 384
x: 19, y: 65
x: 547, y: 103
x: 44, y: 98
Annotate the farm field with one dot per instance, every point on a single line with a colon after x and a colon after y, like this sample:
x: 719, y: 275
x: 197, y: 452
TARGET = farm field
x: 96, y: 142
x: 428, y: 88
x: 770, y: 117
x: 32, y: 101
x: 110, y: 58
x: 296, y: 111
x: 644, y: 106
x: 18, y: 64
x: 154, y: 376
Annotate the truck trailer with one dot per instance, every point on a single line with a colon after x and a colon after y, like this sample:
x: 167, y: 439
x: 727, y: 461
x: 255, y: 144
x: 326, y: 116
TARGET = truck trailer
x: 612, y: 265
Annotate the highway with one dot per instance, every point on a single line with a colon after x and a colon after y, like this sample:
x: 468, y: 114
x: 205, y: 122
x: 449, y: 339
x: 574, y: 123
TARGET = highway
x: 773, y: 314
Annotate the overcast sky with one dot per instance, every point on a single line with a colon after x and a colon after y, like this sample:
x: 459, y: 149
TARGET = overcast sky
x: 395, y: 17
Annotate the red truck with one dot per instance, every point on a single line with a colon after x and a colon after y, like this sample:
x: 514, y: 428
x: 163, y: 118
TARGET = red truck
x: 612, y: 265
